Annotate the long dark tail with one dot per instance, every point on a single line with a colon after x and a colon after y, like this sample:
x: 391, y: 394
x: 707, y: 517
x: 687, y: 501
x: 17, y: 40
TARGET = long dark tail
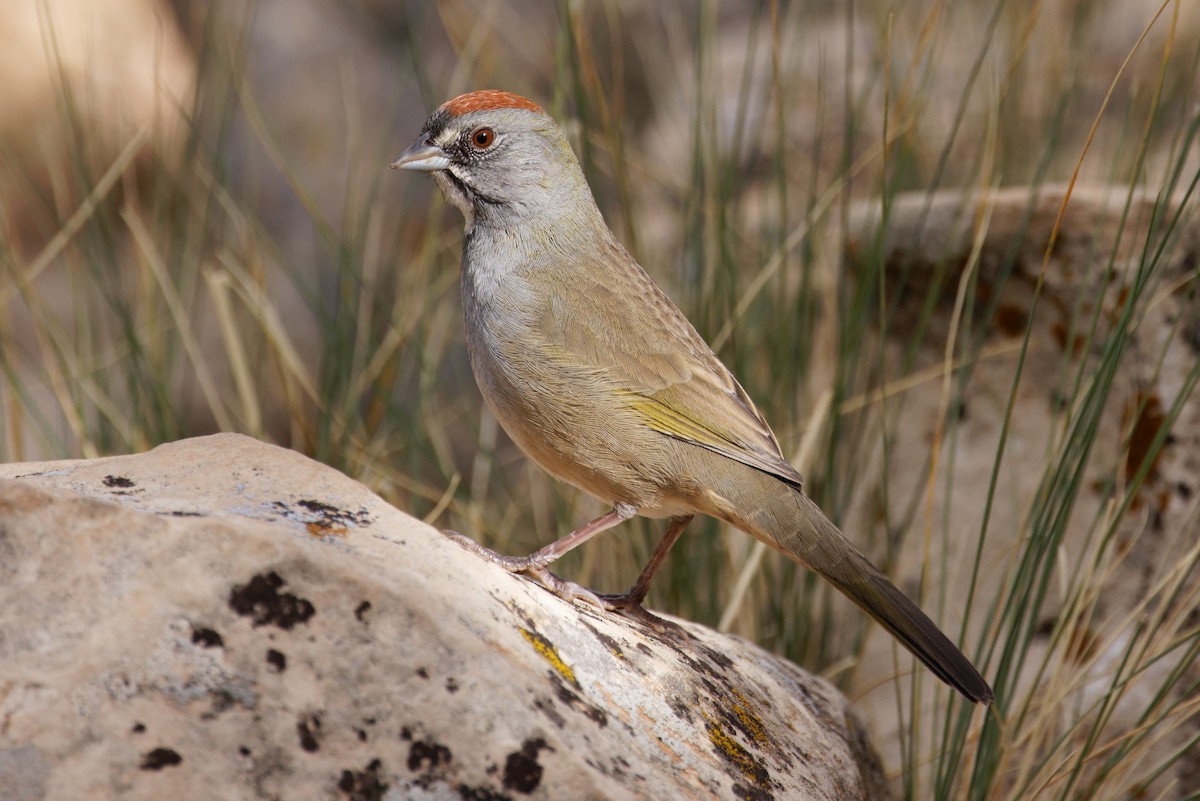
x: 816, y: 543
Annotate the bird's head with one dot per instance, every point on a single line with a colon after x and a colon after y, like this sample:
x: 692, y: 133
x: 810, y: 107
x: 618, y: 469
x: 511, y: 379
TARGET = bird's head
x: 498, y: 158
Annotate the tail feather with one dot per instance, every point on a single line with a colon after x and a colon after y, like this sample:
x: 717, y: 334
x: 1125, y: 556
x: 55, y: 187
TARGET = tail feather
x: 817, y: 543
x: 880, y: 599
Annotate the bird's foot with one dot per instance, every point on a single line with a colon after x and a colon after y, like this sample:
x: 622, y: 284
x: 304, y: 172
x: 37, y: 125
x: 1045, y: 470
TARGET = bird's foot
x: 535, y: 569
x: 567, y: 590
x: 629, y: 605
x: 513, y: 564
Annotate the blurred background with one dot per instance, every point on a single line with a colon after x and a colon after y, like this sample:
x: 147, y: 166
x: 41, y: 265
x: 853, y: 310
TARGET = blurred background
x: 949, y: 248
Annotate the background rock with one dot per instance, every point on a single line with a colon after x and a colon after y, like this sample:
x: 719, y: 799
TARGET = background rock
x: 227, y: 615
x: 81, y: 79
x: 1087, y: 280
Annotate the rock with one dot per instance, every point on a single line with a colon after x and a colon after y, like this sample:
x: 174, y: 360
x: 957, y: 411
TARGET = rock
x: 81, y: 80
x: 225, y: 614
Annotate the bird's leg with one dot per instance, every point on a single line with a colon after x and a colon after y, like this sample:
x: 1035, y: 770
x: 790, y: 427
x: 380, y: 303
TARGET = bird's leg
x: 536, y: 563
x: 630, y: 602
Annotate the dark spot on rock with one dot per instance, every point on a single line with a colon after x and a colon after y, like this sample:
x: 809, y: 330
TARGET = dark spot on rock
x: 480, y: 794
x: 741, y: 791
x: 261, y: 599
x: 681, y: 708
x: 138, y: 728
x: 1011, y: 320
x: 160, y: 758
x: 547, y: 708
x: 222, y: 700
x: 716, y: 657
x: 318, y: 507
x: 422, y: 672
x: 451, y: 685
x: 426, y: 755
x: 1146, y: 414
x: 322, y: 519
x: 1157, y: 520
x: 1072, y: 343
x: 118, y: 482
x: 608, y: 642
x: 573, y: 700
x: 1059, y: 332
x: 207, y: 638
x: 277, y: 660
x: 308, y: 729
x: 361, y: 734
x: 364, y: 785
x: 701, y: 667
x: 406, y: 733
x: 361, y: 610
x: 1184, y: 490
x: 243, y: 750
x: 522, y: 772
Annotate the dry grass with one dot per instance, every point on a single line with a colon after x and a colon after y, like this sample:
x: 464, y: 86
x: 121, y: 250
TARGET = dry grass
x: 220, y: 284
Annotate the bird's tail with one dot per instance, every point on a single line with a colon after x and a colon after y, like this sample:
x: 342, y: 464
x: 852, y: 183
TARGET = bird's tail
x: 795, y: 526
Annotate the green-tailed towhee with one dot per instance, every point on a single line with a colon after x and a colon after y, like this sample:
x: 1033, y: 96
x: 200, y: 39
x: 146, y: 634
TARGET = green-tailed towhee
x: 601, y: 380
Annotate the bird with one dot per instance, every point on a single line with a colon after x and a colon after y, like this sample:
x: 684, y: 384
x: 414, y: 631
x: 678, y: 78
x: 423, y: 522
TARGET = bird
x: 602, y: 381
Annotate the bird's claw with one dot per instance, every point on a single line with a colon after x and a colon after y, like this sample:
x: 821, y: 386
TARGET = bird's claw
x: 567, y: 590
x: 513, y: 564
x: 460, y: 539
x: 628, y: 605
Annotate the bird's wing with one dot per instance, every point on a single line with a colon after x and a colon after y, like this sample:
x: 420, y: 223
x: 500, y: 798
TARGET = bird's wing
x: 644, y: 347
x: 679, y: 411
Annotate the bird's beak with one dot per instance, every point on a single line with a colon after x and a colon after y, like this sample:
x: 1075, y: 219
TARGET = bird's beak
x: 423, y: 156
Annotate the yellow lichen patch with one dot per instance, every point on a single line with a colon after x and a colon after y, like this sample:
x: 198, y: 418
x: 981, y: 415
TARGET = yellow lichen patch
x: 548, y: 652
x: 752, y: 724
x: 732, y: 751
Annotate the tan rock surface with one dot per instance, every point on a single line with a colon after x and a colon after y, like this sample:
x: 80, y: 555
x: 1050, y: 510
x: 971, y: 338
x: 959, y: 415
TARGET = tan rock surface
x: 110, y: 69
x: 227, y: 615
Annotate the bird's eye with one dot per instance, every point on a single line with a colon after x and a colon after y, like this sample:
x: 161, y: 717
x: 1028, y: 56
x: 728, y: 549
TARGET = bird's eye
x: 482, y: 139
